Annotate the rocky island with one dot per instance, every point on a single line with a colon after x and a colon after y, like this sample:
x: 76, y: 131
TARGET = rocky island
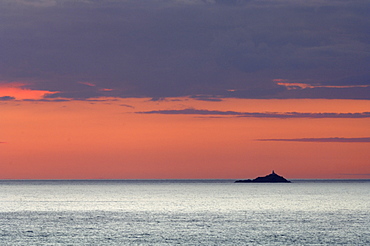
x: 271, y: 178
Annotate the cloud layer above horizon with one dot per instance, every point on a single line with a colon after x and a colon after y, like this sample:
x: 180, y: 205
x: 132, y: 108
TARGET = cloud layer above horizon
x: 281, y: 115
x: 206, y: 49
x: 320, y: 140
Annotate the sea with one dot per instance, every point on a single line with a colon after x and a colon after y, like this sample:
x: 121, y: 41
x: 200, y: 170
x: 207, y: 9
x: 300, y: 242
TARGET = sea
x: 184, y: 212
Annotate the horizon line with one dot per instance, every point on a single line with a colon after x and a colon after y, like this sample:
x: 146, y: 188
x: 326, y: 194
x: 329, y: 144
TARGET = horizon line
x: 185, y: 179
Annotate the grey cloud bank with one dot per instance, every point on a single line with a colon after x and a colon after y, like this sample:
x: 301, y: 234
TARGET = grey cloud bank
x: 204, y: 49
x: 322, y: 140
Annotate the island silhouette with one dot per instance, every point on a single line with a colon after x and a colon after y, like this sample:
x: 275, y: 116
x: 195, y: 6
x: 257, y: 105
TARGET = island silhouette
x: 271, y: 178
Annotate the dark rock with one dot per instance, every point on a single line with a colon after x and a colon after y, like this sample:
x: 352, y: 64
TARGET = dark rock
x: 271, y: 178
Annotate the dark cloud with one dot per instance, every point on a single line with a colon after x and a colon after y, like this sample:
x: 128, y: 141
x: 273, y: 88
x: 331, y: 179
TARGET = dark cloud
x: 192, y: 111
x: 327, y: 92
x: 161, y: 48
x: 127, y: 105
x: 6, y: 98
x: 358, y: 79
x: 207, y: 98
x: 282, y: 115
x: 46, y: 100
x: 321, y: 140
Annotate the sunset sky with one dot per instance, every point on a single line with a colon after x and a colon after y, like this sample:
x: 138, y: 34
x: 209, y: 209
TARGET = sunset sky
x: 184, y: 89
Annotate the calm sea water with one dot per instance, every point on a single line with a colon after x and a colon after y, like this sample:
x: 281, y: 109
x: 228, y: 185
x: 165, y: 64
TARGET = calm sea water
x: 184, y: 212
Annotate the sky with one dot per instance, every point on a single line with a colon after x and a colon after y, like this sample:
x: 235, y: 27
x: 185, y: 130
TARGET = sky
x: 184, y: 89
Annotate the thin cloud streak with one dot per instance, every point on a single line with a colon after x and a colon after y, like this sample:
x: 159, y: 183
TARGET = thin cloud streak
x: 319, y: 140
x: 6, y: 98
x: 355, y: 174
x: 281, y: 115
x: 191, y: 111
x: 127, y: 105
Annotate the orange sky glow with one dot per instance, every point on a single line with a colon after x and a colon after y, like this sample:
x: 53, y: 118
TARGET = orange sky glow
x: 17, y: 90
x: 108, y: 139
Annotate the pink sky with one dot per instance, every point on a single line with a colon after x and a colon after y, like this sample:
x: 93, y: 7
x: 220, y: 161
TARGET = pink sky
x: 109, y: 139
